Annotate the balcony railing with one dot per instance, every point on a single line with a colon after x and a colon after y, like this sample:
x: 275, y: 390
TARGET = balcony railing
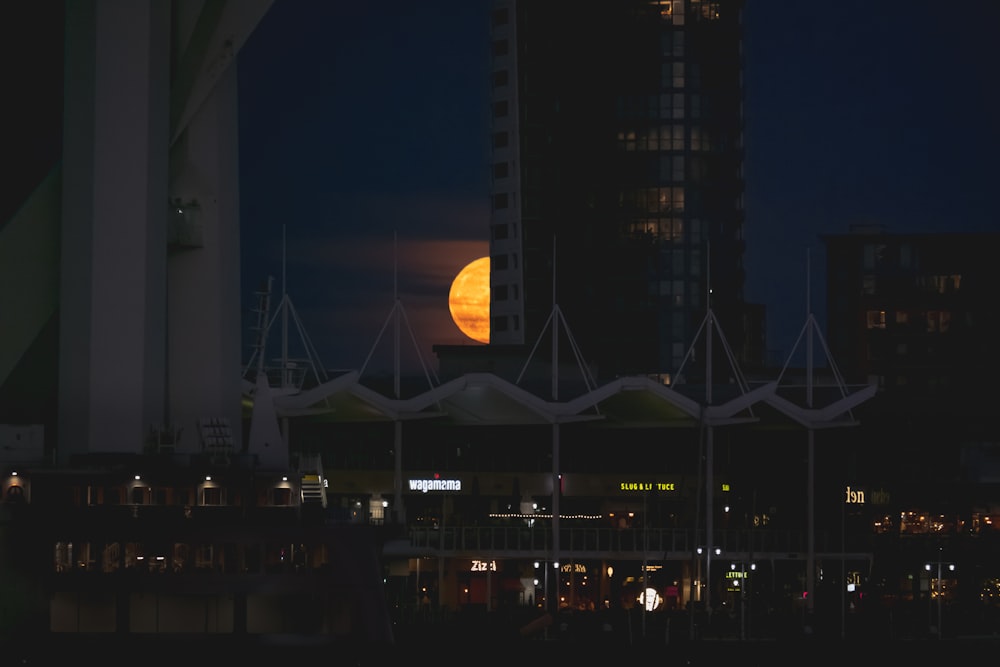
x: 670, y: 543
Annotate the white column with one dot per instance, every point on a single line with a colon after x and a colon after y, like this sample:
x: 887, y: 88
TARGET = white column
x: 113, y: 238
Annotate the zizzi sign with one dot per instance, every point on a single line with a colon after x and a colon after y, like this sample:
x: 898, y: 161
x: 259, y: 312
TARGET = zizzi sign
x: 648, y: 486
x: 483, y: 566
x: 425, y: 485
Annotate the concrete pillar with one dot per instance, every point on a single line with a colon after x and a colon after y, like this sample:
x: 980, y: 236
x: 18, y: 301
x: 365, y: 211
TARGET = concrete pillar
x: 113, y: 239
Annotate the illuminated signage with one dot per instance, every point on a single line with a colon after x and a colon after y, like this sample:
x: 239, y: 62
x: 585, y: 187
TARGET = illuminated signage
x: 854, y: 497
x: 425, y: 485
x: 483, y: 565
x: 733, y: 579
x: 879, y: 497
x: 578, y: 568
x: 725, y: 487
x: 648, y: 486
x: 650, y: 599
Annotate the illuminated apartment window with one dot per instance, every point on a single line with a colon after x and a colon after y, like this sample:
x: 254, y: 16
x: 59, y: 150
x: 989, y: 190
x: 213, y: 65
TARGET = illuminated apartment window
x: 86, y: 558
x: 376, y: 511
x: 876, y: 319
x: 666, y: 8
x: 710, y: 10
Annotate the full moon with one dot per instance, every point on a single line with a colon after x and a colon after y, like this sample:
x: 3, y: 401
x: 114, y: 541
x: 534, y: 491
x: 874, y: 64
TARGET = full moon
x: 469, y: 300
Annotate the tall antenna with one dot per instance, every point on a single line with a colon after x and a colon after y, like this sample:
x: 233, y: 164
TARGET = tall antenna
x: 285, y: 380
x: 395, y: 300
x: 555, y: 328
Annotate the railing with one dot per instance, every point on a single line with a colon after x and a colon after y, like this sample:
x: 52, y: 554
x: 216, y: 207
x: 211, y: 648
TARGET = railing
x: 672, y: 543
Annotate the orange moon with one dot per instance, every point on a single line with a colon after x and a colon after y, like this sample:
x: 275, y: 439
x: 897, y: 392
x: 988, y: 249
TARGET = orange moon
x: 469, y: 300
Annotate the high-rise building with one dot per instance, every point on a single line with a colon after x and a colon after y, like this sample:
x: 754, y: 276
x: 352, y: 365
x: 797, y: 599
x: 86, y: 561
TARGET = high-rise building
x: 914, y: 314
x: 617, y: 161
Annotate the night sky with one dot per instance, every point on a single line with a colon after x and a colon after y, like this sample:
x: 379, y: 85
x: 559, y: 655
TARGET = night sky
x: 364, y: 122
x: 364, y: 131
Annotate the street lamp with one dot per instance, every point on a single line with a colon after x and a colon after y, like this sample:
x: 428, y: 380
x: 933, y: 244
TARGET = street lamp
x: 740, y: 582
x: 704, y: 587
x: 940, y: 587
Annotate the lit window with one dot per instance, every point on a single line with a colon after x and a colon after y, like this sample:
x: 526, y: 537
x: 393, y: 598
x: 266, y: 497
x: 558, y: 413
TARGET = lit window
x: 710, y: 10
x: 876, y: 319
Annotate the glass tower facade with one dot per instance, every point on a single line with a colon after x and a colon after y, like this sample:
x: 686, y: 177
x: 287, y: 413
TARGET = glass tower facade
x: 617, y: 159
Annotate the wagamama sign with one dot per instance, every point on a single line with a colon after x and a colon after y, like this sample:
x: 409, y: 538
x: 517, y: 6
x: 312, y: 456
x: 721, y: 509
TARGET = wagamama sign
x: 425, y: 485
